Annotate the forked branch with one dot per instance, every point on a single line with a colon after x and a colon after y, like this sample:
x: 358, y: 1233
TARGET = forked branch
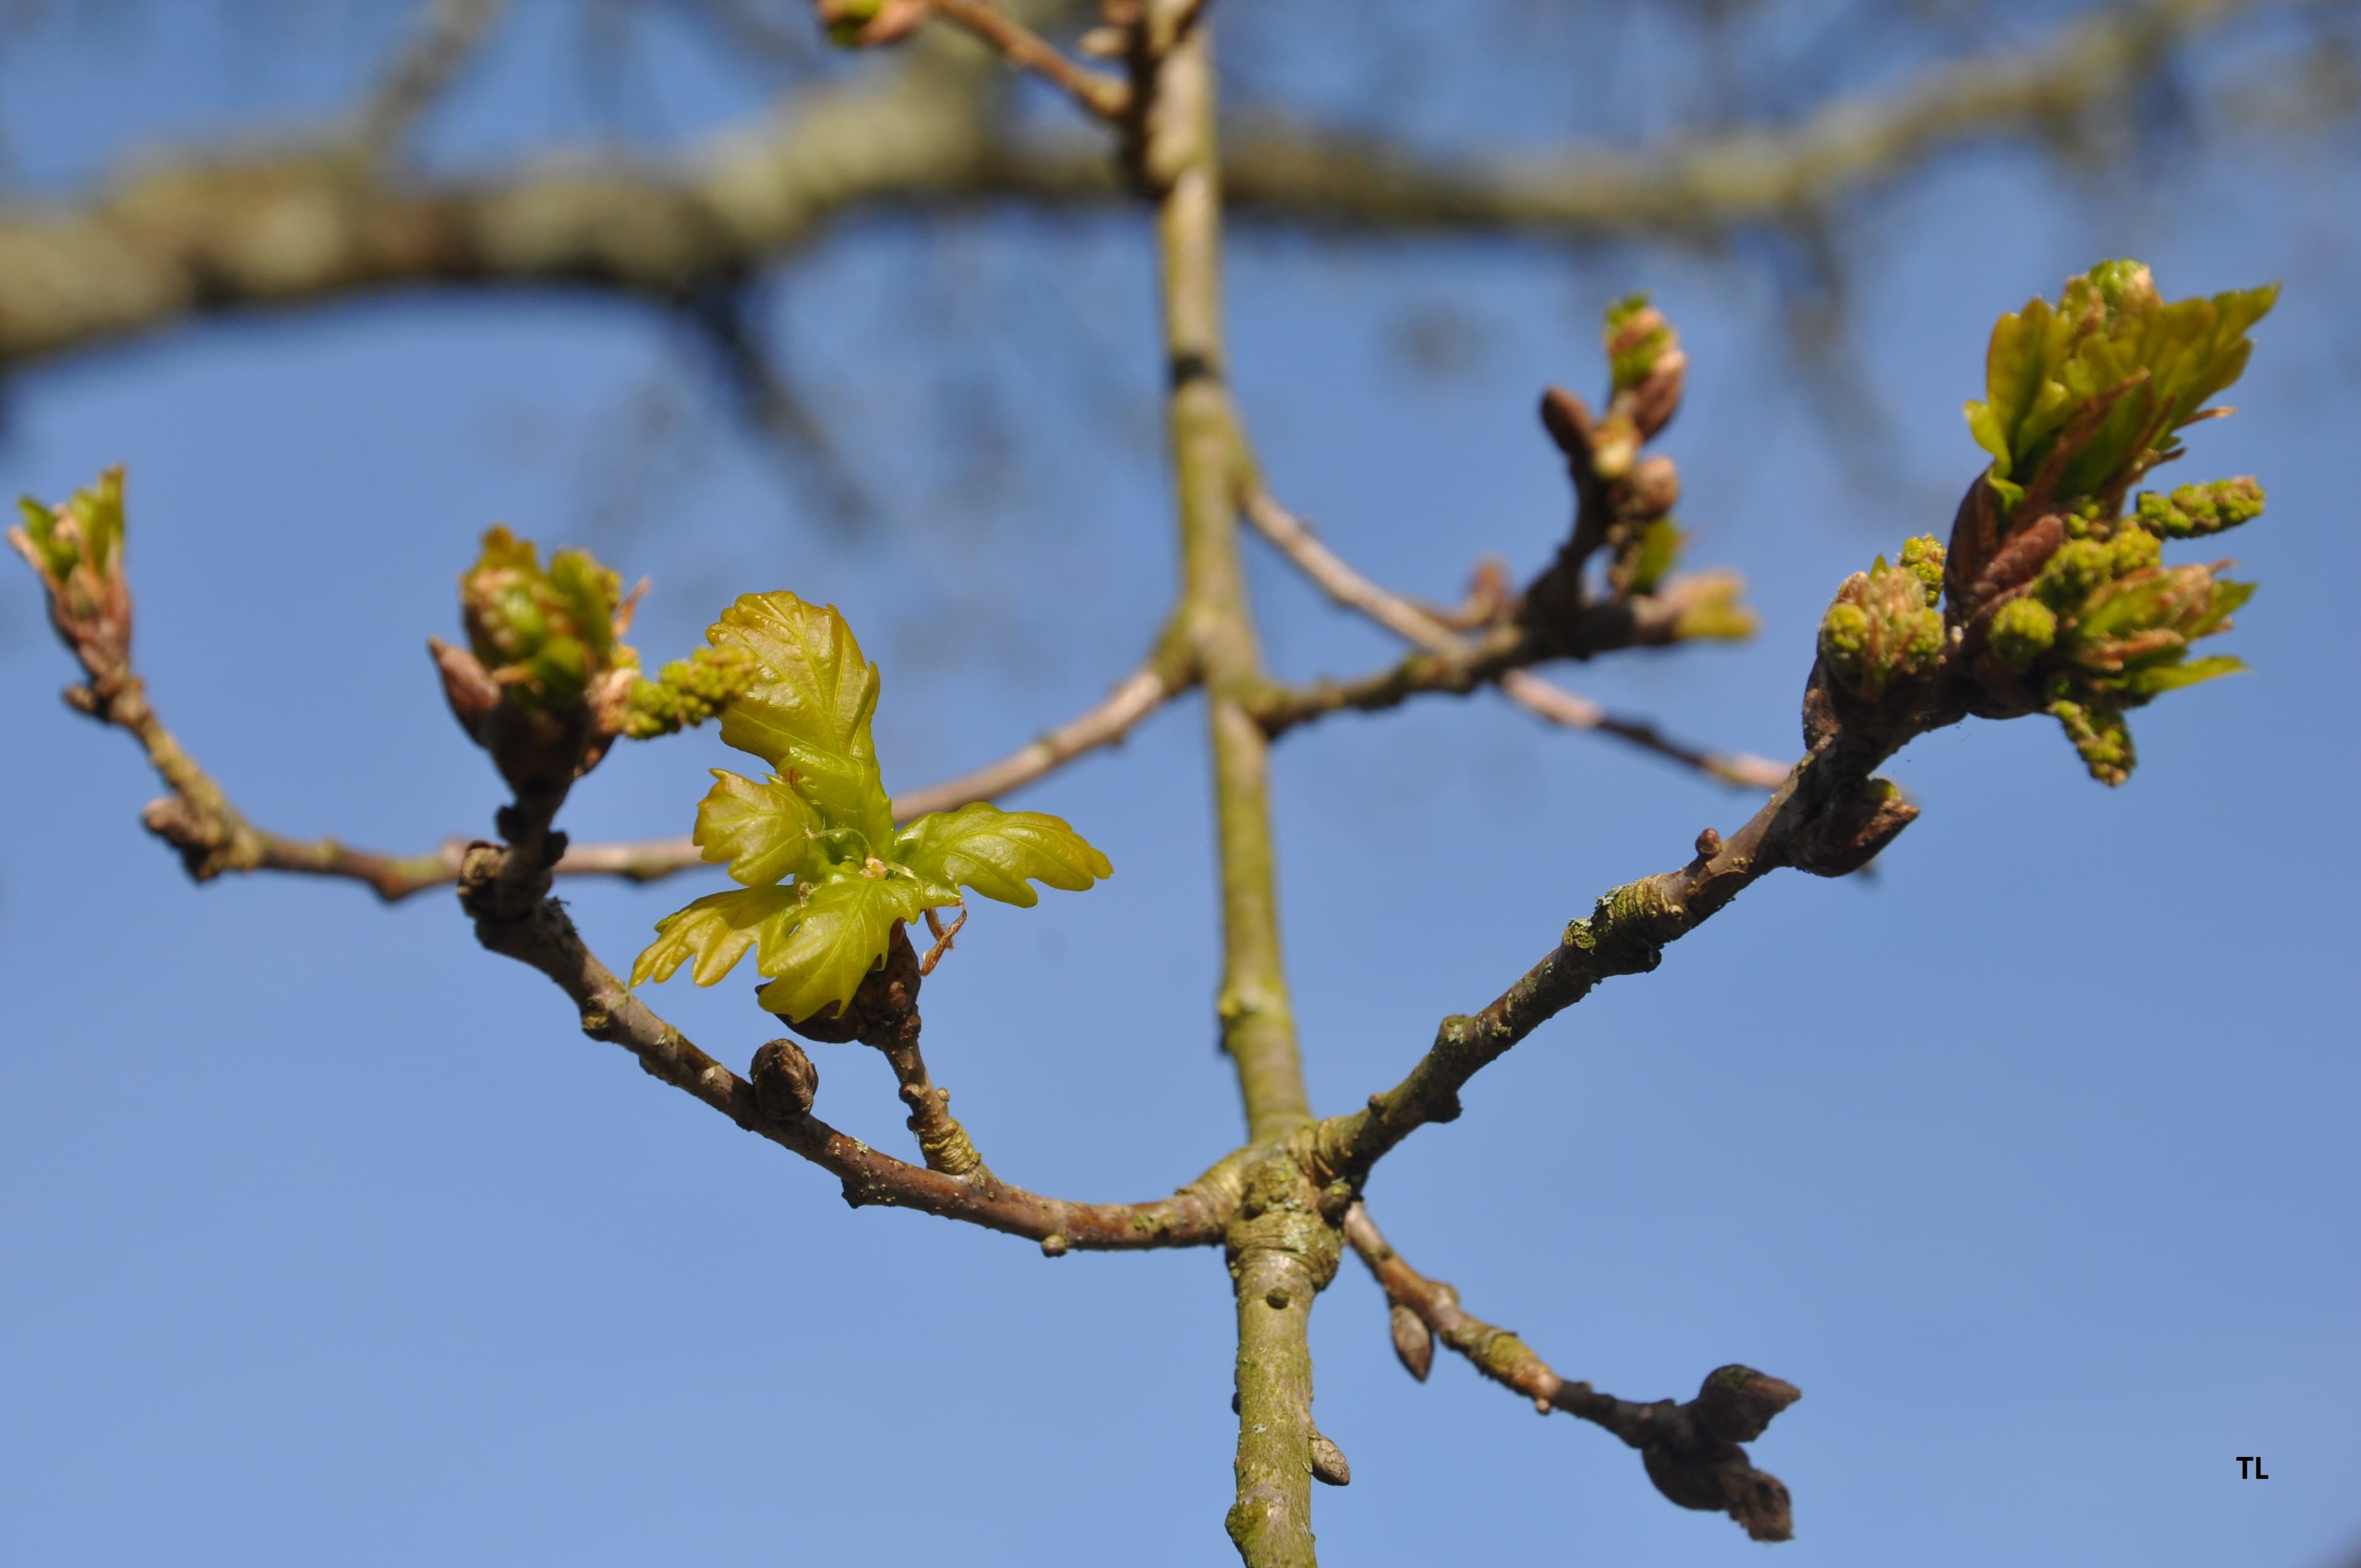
x: 1691, y: 1449
x: 1544, y: 699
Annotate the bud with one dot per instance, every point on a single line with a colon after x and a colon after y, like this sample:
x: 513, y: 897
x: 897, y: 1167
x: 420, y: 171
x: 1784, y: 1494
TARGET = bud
x: 2099, y: 735
x: 2193, y: 511
x: 1923, y: 557
x: 1645, y: 362
x: 2022, y: 631
x: 1328, y: 1463
x: 687, y: 691
x: 76, y: 549
x: 1879, y: 631
x: 1736, y: 1403
x: 1651, y: 489
x: 1414, y: 1342
x: 862, y: 24
x: 544, y: 635
x: 785, y: 1081
x: 543, y: 681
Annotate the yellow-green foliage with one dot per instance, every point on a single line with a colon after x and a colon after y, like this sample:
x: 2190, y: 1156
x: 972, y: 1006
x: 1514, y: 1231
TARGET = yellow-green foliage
x: 827, y: 876
x: 2110, y: 333
x: 543, y: 634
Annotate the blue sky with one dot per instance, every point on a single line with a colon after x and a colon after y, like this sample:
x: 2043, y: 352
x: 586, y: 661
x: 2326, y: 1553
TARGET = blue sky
x: 328, y: 1238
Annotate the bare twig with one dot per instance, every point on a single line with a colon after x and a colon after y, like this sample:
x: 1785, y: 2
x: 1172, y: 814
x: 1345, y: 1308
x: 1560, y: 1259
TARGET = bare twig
x: 1691, y: 1449
x: 1830, y: 817
x: 443, y: 38
x: 1167, y: 672
x: 213, y: 838
x: 1643, y: 620
x: 544, y: 938
x: 1295, y: 539
x: 1104, y: 95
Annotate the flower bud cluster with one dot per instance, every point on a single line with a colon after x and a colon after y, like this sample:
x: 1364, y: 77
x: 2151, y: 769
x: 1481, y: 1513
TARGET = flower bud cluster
x: 687, y: 691
x: 2193, y: 510
x: 1883, y: 628
x: 545, y: 636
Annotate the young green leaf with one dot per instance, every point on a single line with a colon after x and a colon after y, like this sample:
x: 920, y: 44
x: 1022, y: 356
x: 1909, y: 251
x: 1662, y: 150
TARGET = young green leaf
x: 763, y: 832
x: 2096, y: 386
x: 843, y: 935
x: 995, y: 852
x: 806, y: 709
x: 716, y: 930
x: 799, y: 695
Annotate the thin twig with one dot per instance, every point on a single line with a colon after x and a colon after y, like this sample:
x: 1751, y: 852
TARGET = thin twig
x: 1691, y: 1449
x: 1334, y: 577
x: 443, y: 38
x: 1102, y: 95
x: 544, y: 938
x: 943, y: 937
x: 213, y: 837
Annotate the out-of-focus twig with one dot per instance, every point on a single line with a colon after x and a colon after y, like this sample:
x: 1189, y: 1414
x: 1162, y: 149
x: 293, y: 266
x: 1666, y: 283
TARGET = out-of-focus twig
x: 445, y: 34
x: 1542, y: 698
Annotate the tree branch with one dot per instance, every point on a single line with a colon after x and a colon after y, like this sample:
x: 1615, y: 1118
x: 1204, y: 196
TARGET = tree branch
x: 1691, y: 1449
x: 213, y: 838
x: 1643, y: 620
x: 1336, y: 578
x: 160, y: 245
x: 543, y: 938
x: 1830, y: 817
x: 1697, y: 185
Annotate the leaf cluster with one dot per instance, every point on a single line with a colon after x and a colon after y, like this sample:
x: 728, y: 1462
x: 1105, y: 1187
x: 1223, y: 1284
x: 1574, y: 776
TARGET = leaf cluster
x: 84, y: 534
x: 2082, y: 398
x: 826, y: 877
x: 544, y: 635
x: 2061, y: 598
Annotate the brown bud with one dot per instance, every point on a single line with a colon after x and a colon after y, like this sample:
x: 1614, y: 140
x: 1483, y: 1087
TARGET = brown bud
x: 1736, y: 1404
x: 468, y: 687
x: 1653, y: 403
x: 1328, y: 1463
x: 785, y: 1079
x: 1414, y: 1342
x: 1653, y: 487
x: 1567, y: 419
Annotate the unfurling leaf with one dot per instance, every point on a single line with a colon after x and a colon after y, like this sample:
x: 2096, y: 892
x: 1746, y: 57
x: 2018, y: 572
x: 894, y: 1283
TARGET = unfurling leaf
x: 546, y: 636
x: 995, y: 852
x: 800, y: 696
x: 716, y: 931
x: 806, y: 707
x: 763, y: 832
x: 2081, y: 399
x: 840, y: 936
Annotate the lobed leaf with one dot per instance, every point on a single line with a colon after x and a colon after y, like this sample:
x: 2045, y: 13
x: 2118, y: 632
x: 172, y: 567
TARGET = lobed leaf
x: 763, y: 832
x: 716, y: 931
x: 995, y: 852
x: 805, y: 709
x: 846, y: 924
